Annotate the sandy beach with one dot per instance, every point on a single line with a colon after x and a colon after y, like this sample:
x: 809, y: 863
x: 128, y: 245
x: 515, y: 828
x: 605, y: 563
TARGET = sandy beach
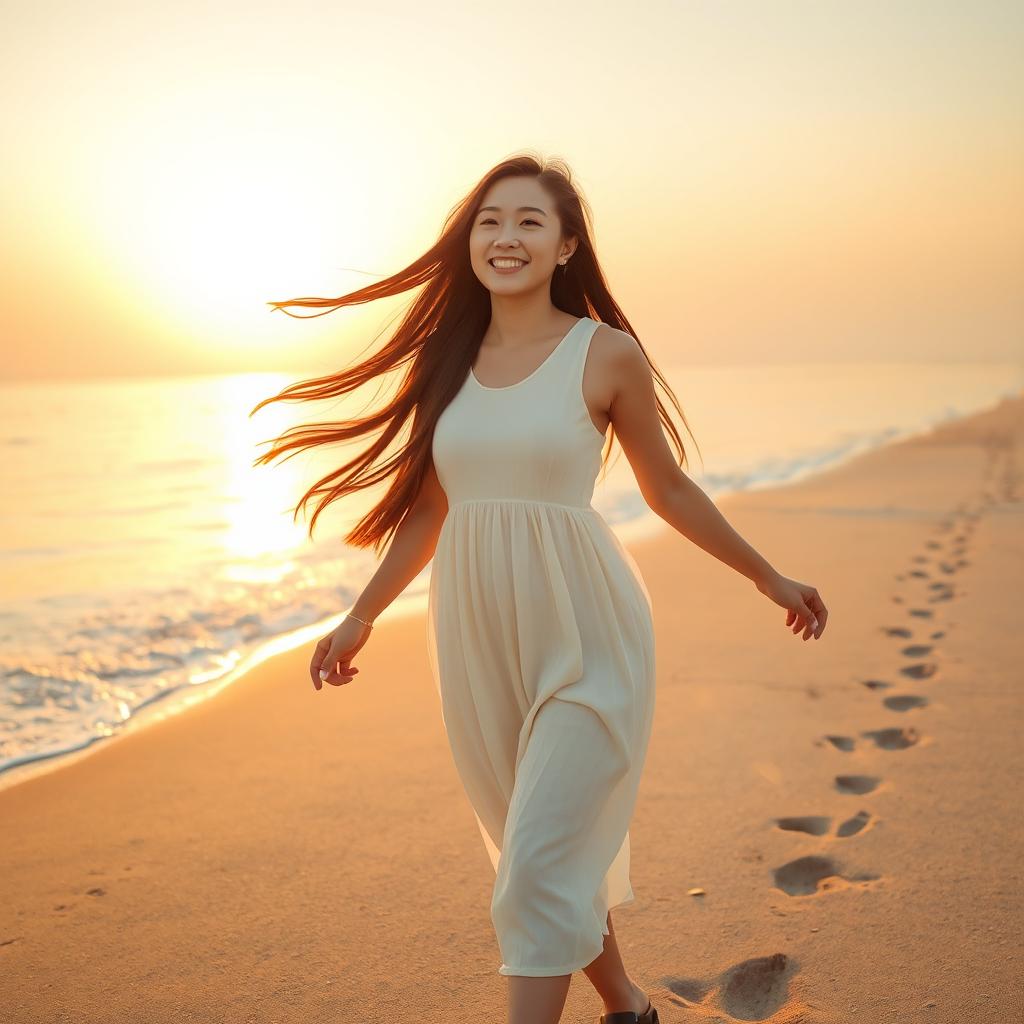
x: 848, y: 806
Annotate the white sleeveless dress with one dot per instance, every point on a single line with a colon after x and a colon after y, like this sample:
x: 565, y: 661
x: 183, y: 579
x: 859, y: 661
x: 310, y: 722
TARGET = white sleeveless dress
x: 541, y: 643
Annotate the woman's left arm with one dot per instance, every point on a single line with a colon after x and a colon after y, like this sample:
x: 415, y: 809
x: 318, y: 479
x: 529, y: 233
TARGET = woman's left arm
x: 676, y: 498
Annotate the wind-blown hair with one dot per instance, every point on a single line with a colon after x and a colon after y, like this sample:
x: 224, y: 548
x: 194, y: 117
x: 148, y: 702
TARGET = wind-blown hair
x: 439, y: 338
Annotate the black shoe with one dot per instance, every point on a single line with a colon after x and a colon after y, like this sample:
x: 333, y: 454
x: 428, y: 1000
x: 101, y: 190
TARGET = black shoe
x: 649, y: 1016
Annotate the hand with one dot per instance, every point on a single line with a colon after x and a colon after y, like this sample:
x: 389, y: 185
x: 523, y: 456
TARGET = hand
x: 806, y: 609
x: 335, y: 651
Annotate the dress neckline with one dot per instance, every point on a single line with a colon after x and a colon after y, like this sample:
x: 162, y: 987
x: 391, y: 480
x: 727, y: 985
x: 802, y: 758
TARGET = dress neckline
x: 529, y: 376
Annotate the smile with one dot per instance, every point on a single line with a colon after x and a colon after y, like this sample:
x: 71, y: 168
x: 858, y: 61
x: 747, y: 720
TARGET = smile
x: 507, y: 265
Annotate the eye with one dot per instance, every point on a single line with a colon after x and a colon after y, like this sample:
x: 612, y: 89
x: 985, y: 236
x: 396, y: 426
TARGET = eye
x: 529, y: 220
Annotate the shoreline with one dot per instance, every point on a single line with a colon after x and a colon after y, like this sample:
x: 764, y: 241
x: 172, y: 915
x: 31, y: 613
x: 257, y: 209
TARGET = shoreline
x: 181, y: 699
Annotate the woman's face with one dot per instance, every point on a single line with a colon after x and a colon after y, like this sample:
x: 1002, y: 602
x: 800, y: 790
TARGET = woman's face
x: 516, y: 221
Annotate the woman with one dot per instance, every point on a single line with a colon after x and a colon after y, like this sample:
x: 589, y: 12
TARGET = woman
x: 540, y: 632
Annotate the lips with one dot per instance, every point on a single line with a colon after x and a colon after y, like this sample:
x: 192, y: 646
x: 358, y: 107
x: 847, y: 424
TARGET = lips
x: 493, y: 258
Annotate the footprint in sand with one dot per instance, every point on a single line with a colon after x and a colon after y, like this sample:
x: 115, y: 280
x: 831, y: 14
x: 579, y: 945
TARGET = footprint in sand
x: 905, y: 702
x: 876, y: 684
x: 754, y: 990
x: 757, y: 988
x: 815, y: 874
x: 852, y: 826
x: 844, y: 743
x: 938, y: 636
x: 857, y: 784
x: 922, y: 670
x: 819, y: 825
x: 916, y: 650
x: 893, y: 738
x: 921, y: 613
x: 812, y: 825
x: 943, y: 592
x: 900, y: 631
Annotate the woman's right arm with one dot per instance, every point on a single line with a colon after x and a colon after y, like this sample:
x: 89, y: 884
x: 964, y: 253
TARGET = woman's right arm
x: 411, y: 548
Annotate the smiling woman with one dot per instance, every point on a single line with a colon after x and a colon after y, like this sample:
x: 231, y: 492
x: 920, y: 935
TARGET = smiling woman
x: 540, y: 629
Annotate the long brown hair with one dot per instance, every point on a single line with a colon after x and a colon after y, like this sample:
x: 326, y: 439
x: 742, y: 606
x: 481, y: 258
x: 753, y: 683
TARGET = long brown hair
x: 439, y: 338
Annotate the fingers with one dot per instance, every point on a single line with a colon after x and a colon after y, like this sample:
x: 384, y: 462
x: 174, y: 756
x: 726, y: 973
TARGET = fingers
x: 319, y: 654
x: 342, y: 676
x: 323, y: 668
x: 810, y: 618
x: 337, y: 674
x: 822, y: 619
x: 806, y: 622
x: 809, y: 615
x: 820, y: 613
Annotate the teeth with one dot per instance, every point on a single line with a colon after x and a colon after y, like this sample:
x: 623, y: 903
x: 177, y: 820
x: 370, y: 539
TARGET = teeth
x: 509, y: 263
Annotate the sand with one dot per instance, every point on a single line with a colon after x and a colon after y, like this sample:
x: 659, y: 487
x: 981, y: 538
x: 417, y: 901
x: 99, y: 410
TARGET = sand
x: 849, y: 806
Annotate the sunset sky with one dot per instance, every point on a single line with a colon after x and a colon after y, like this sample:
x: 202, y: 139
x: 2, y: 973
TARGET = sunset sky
x: 771, y: 182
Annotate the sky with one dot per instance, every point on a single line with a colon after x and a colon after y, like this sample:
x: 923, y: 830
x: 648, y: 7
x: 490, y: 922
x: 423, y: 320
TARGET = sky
x: 771, y: 182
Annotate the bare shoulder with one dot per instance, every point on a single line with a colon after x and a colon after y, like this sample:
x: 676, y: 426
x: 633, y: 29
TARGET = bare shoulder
x: 615, y: 365
x: 618, y: 353
x: 616, y: 345
x: 612, y: 338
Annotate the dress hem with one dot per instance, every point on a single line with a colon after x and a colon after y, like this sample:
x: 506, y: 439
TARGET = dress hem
x: 552, y: 972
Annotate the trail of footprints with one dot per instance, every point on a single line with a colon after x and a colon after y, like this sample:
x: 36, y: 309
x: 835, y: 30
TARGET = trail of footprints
x: 757, y: 989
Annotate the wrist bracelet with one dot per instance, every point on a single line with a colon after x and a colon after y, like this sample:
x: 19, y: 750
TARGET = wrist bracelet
x: 356, y: 617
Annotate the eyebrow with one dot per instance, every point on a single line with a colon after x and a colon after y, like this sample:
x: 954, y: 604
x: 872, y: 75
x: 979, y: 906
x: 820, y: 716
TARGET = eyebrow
x: 535, y: 209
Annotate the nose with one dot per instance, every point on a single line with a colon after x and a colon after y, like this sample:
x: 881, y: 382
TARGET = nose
x: 507, y: 235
